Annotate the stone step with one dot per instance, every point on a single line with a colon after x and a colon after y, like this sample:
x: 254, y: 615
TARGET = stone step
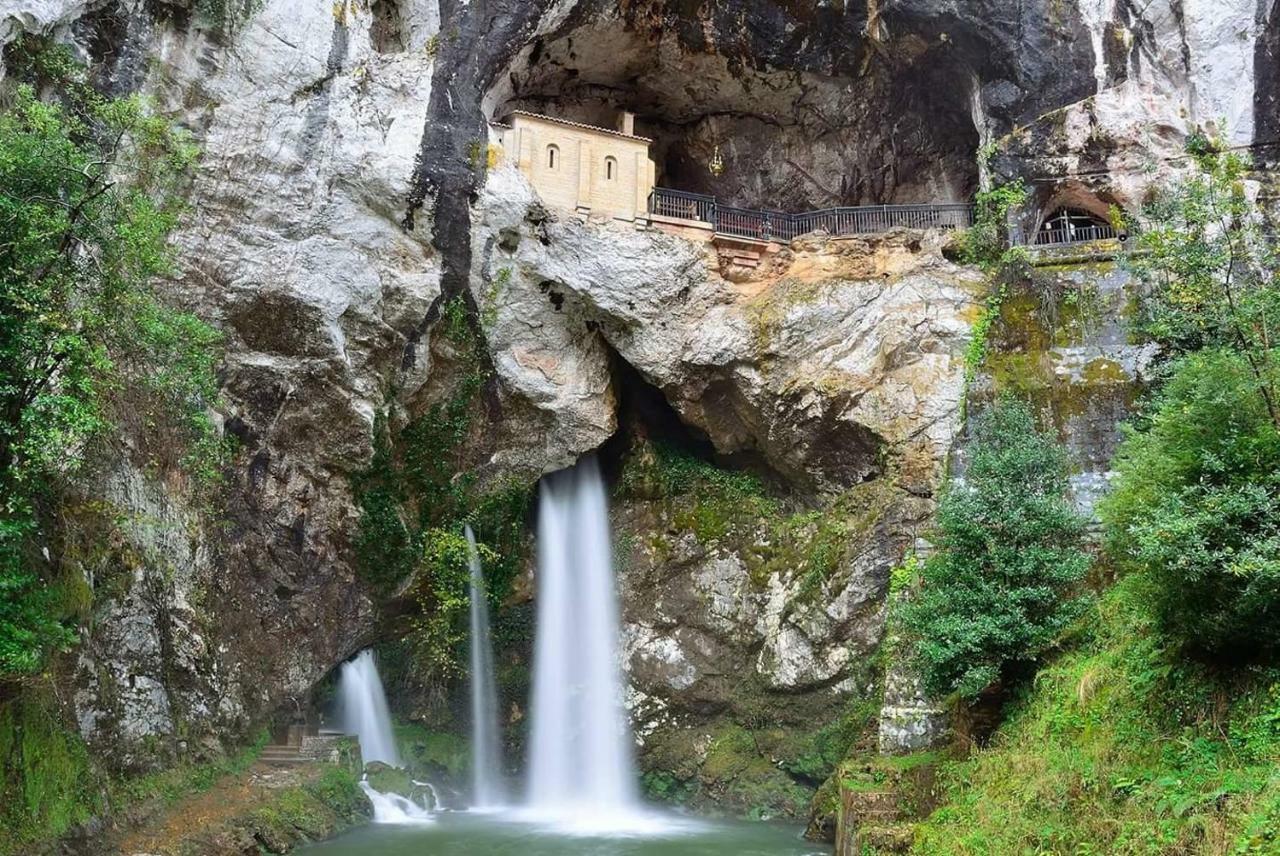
x: 871, y: 808
x: 896, y: 838
x: 281, y: 755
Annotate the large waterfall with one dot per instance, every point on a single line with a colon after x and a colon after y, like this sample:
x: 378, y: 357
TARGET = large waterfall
x: 363, y: 709
x: 580, y: 760
x: 486, y: 757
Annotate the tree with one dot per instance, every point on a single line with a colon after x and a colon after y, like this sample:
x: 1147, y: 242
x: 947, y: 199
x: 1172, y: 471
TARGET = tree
x: 1211, y: 274
x: 1004, y: 582
x: 89, y: 191
x: 1196, y: 506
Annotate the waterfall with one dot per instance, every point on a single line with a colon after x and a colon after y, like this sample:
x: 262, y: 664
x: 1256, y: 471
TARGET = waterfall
x: 580, y: 759
x: 363, y: 709
x: 393, y: 808
x: 486, y: 759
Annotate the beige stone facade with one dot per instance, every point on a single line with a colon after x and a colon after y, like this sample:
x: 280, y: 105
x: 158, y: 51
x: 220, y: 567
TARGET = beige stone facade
x: 582, y: 168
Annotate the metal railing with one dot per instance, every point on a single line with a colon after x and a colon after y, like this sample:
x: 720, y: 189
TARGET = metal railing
x: 779, y: 226
x: 681, y: 205
x: 1074, y: 235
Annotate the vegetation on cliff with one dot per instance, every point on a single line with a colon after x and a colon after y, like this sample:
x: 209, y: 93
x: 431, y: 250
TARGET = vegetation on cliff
x: 419, y: 491
x: 1156, y: 731
x: 87, y: 344
x: 1003, y: 584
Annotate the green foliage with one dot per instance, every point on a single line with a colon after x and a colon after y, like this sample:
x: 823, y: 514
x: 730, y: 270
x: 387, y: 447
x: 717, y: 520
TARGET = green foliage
x: 976, y: 352
x: 1212, y: 275
x: 49, y: 784
x: 173, y: 784
x: 431, y: 753
x: 89, y: 191
x: 1000, y: 590
x: 665, y: 787
x: 1120, y: 747
x: 415, y: 497
x: 492, y: 294
x: 227, y: 16
x: 1196, y: 507
x: 713, y: 503
x: 986, y: 243
x: 734, y: 507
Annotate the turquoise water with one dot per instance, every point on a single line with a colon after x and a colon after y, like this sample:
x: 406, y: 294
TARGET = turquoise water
x: 466, y: 834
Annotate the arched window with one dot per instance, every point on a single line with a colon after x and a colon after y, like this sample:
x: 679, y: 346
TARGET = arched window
x: 553, y: 156
x: 610, y: 169
x: 1073, y: 226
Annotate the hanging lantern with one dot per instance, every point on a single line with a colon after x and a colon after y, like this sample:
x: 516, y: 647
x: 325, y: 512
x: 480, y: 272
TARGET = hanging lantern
x: 717, y: 163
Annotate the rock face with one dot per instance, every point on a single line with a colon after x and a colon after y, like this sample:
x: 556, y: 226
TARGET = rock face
x: 837, y: 366
x: 341, y: 202
x: 832, y: 355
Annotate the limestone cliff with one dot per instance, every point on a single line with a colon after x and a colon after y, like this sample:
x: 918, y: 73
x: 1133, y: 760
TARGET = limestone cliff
x: 343, y: 200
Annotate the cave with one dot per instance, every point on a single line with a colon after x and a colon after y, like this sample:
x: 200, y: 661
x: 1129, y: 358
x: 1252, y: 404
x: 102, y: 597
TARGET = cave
x: 1072, y: 225
x: 646, y: 416
x: 1071, y: 212
x: 846, y: 127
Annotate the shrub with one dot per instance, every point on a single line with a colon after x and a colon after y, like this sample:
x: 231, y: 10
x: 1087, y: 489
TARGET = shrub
x: 986, y: 242
x: 1197, y: 507
x: 1001, y: 588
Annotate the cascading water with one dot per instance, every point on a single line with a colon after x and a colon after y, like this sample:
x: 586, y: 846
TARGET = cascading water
x: 486, y: 775
x: 363, y: 712
x: 580, y: 761
x: 363, y: 709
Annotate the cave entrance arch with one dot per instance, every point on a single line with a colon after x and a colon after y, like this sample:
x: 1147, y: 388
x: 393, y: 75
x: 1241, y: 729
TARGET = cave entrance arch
x: 795, y: 129
x: 1073, y: 226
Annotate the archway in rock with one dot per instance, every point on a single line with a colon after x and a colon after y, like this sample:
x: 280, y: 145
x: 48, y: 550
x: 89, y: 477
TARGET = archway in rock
x: 828, y: 117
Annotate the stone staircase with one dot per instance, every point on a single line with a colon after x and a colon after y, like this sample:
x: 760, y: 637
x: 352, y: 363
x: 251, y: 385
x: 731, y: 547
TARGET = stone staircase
x: 880, y: 804
x: 282, y: 755
x: 304, y: 745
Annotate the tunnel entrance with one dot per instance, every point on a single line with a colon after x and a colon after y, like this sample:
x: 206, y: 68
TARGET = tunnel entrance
x: 792, y: 131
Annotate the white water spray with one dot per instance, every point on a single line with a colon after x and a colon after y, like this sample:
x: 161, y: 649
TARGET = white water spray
x: 393, y: 808
x: 580, y: 765
x: 486, y: 758
x: 363, y: 709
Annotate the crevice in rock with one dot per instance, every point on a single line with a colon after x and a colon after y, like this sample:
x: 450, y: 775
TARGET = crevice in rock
x: 645, y: 414
x: 1266, y: 98
x: 387, y: 33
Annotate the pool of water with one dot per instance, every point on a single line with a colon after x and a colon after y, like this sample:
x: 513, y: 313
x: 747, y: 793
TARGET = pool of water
x: 469, y: 834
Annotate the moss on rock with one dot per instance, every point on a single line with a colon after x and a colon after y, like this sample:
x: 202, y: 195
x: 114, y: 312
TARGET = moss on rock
x: 387, y: 779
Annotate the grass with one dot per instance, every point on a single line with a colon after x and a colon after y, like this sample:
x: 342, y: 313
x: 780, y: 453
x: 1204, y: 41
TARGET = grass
x: 1122, y: 748
x: 51, y: 785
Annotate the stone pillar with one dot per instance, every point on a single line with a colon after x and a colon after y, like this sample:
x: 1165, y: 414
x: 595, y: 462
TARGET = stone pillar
x: 583, y: 200
x: 524, y: 151
x: 643, y: 184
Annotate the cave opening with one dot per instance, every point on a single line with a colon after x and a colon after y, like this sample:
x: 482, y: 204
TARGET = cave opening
x: 798, y: 135
x: 646, y: 416
x: 388, y: 32
x: 1071, y: 212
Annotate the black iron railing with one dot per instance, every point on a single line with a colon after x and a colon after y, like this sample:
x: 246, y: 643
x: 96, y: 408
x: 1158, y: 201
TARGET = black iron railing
x: 1074, y: 235
x: 779, y: 226
x: 684, y: 206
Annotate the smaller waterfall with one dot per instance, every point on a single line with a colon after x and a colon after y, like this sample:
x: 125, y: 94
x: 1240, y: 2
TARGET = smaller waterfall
x: 393, y: 808
x: 486, y: 753
x: 363, y: 709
